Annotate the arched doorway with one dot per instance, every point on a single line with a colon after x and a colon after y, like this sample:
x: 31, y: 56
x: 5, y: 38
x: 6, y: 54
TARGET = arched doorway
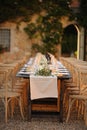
x: 69, y: 41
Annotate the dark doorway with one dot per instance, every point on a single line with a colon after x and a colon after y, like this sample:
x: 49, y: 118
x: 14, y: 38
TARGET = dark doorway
x: 69, y: 41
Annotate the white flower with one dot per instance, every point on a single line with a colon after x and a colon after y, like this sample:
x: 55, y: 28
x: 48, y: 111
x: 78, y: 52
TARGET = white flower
x: 40, y: 67
x: 43, y: 60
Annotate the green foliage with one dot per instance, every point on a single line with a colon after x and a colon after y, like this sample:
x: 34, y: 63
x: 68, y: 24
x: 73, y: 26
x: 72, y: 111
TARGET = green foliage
x: 44, y: 48
x: 11, y: 9
x: 44, y: 72
x: 31, y: 30
x: 48, y: 28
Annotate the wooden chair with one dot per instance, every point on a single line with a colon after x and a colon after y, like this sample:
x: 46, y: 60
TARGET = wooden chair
x: 7, y: 91
x: 19, y: 84
x: 72, y: 87
x: 81, y: 96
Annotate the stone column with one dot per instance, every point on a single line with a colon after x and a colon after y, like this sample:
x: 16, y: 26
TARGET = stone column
x: 81, y: 44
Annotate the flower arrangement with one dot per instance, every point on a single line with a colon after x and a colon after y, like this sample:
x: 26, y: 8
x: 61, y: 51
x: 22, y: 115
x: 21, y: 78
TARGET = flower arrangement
x: 43, y: 68
x: 43, y: 72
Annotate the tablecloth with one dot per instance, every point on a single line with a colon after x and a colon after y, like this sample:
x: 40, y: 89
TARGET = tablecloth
x: 43, y: 87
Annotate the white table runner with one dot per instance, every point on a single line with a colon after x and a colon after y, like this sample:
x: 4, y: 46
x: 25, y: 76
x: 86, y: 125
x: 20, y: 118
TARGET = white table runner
x: 43, y: 86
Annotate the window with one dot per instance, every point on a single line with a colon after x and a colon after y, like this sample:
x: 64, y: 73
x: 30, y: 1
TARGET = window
x: 4, y: 40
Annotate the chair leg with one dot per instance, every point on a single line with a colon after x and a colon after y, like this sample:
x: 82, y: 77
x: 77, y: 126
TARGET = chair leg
x: 6, y: 110
x: 82, y: 109
x: 85, y: 113
x: 71, y: 101
x: 12, y: 106
x: 79, y: 108
x: 21, y: 107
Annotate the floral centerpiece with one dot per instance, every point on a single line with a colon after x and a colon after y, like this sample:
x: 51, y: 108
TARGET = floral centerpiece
x: 43, y: 72
x: 43, y: 68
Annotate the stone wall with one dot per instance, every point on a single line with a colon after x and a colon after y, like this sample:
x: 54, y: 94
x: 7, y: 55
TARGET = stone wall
x: 19, y: 41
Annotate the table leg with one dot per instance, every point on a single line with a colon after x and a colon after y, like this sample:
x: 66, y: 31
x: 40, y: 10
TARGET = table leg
x: 29, y: 103
x: 62, y: 90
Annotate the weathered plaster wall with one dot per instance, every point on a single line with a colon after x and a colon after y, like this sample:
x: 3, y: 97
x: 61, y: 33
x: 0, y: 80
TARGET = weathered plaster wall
x: 19, y: 39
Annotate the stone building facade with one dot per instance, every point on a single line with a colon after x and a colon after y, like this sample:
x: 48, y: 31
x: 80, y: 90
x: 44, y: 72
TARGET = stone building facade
x: 20, y: 44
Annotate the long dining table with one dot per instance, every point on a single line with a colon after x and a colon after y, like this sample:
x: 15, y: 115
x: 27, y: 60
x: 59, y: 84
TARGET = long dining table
x: 62, y: 74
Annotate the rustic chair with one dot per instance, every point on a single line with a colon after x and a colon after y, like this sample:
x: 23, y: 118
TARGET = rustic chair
x: 19, y: 84
x: 8, y: 92
x: 81, y: 96
x: 72, y: 87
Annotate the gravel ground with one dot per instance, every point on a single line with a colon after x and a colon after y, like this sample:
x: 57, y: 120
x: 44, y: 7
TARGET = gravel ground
x: 41, y: 122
